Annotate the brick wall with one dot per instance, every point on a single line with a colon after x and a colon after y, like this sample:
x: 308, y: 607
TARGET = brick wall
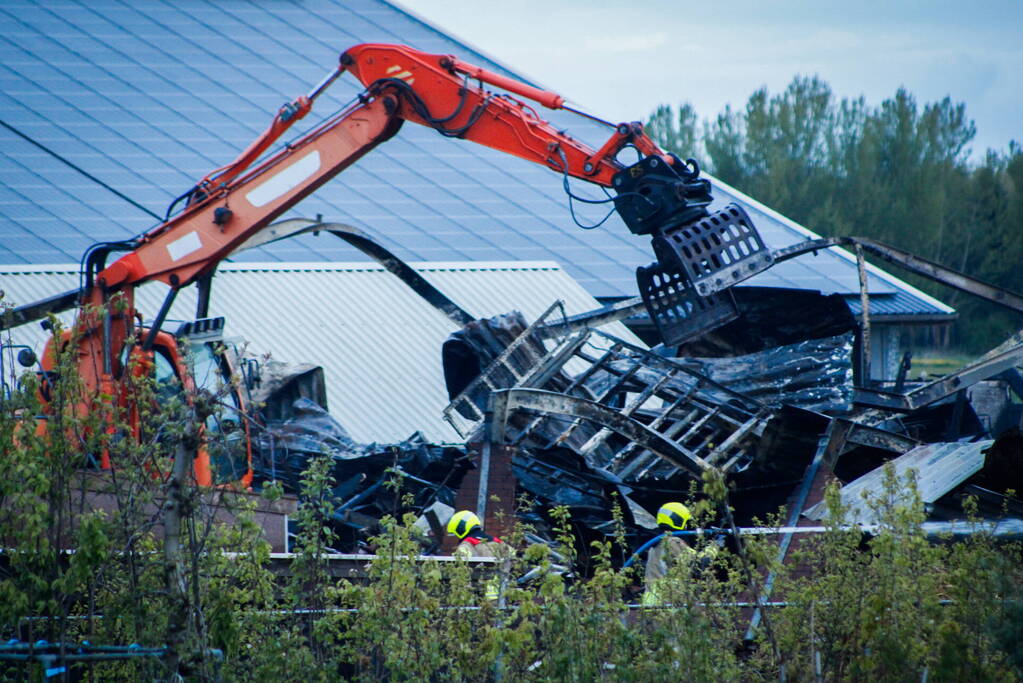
x: 500, y: 483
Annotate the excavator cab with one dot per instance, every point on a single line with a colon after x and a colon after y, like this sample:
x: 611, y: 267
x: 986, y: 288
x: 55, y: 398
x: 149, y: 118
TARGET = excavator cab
x: 184, y: 366
x: 227, y: 447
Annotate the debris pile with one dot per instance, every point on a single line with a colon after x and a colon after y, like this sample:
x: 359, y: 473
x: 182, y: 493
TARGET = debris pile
x: 431, y: 473
x: 590, y: 415
x: 774, y: 397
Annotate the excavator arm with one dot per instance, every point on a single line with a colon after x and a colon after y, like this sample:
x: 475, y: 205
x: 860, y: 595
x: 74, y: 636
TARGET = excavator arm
x: 661, y: 196
x: 231, y: 210
x: 446, y: 93
x: 231, y: 204
x: 698, y: 254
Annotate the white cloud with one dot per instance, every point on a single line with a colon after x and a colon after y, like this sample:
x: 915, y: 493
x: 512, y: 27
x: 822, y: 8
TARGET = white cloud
x: 622, y: 60
x: 619, y: 44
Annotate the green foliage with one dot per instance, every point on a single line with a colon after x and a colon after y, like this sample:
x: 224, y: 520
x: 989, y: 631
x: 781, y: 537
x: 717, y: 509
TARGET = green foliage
x: 897, y: 172
x: 896, y: 607
x: 674, y: 131
x: 73, y: 570
x: 890, y: 607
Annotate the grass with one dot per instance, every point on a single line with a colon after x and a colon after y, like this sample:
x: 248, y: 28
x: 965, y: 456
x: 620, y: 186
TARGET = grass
x: 938, y: 362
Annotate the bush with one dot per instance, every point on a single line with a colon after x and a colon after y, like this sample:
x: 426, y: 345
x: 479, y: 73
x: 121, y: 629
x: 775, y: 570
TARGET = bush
x: 890, y: 607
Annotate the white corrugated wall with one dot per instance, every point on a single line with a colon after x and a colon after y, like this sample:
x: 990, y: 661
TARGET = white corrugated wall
x: 378, y: 342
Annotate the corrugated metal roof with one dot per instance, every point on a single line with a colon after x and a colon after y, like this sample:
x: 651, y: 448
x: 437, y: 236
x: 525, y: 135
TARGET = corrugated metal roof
x: 938, y: 468
x: 150, y: 96
x: 896, y: 304
x: 378, y: 342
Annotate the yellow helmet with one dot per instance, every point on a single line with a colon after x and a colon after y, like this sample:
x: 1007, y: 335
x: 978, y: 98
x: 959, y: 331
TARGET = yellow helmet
x: 673, y: 516
x: 462, y: 522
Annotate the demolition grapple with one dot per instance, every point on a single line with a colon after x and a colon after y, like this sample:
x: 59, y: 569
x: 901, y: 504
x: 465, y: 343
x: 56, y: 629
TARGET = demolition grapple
x: 699, y: 254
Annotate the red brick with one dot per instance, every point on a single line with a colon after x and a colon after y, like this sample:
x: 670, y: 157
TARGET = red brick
x: 500, y: 483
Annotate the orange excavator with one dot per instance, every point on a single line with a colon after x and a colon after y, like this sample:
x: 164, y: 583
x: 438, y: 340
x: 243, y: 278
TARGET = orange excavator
x: 699, y: 254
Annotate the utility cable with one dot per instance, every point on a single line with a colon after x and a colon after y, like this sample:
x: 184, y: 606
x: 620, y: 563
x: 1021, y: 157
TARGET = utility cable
x: 79, y: 169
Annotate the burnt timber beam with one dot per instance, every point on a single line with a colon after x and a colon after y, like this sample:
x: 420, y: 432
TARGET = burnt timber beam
x: 920, y: 266
x: 595, y: 318
x: 829, y: 446
x: 507, y: 401
x: 363, y: 242
x: 865, y: 435
x: 988, y: 366
x: 58, y: 303
x: 272, y: 233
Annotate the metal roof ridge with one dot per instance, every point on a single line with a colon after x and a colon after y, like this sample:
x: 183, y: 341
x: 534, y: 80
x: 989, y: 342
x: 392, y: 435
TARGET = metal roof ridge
x: 18, y: 268
x: 340, y: 266
x: 787, y: 222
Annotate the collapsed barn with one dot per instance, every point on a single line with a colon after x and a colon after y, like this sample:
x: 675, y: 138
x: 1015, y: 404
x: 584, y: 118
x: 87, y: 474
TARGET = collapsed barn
x: 751, y: 380
x: 571, y: 414
x: 576, y: 417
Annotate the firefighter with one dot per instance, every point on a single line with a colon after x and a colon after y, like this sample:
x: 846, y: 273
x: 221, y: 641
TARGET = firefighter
x: 475, y: 542
x: 670, y: 551
x: 466, y: 526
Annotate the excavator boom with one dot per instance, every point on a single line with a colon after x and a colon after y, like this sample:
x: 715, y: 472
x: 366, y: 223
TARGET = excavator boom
x: 445, y: 93
x: 698, y: 255
x: 199, y: 238
x: 662, y: 196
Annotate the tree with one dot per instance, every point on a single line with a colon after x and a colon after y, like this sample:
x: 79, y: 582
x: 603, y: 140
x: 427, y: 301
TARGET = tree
x: 896, y: 172
x: 676, y: 131
x: 83, y: 561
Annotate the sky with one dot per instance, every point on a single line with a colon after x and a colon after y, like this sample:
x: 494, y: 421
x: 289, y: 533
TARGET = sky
x: 620, y: 60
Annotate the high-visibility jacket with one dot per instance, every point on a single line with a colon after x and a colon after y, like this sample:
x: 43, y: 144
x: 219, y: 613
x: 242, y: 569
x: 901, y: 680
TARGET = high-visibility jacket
x: 670, y: 551
x: 487, y: 546
x: 482, y: 546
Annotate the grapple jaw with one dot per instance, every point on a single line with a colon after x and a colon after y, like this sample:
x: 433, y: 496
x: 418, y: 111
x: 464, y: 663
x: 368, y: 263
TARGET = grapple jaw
x: 678, y: 311
x: 715, y: 252
x: 699, y: 254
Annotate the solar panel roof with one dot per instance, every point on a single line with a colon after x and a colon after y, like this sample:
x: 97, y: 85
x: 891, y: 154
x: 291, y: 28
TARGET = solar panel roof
x: 112, y: 109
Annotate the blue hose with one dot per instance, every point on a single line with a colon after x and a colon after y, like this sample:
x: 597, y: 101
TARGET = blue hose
x: 656, y: 539
x: 651, y: 543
